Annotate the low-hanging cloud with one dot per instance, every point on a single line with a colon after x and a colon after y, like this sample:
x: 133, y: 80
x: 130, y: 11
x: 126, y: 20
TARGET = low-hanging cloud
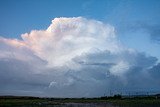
x: 73, y: 57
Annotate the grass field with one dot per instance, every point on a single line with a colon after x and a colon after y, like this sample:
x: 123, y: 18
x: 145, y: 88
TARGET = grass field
x: 8, y: 101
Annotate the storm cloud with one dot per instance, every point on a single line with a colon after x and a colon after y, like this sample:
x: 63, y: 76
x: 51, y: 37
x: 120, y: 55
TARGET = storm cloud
x: 74, y: 57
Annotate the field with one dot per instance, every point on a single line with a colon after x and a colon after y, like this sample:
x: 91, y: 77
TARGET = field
x: 12, y: 101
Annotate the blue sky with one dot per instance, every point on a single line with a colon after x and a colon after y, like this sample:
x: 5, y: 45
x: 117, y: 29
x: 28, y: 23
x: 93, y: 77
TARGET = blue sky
x: 79, y: 48
x: 20, y: 16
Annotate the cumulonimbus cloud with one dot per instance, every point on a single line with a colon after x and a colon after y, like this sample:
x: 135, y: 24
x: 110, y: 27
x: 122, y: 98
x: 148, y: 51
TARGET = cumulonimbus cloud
x: 73, y: 57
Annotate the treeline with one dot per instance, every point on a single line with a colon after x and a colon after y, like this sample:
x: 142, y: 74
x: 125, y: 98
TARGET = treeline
x: 117, y: 96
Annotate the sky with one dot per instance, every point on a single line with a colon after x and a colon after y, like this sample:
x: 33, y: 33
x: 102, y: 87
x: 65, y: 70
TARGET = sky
x: 79, y: 48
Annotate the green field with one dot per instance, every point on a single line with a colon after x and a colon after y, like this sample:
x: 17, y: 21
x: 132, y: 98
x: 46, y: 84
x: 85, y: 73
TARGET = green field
x: 8, y: 101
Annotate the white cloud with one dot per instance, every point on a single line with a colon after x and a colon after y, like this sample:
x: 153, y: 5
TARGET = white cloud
x: 67, y: 38
x: 73, y: 55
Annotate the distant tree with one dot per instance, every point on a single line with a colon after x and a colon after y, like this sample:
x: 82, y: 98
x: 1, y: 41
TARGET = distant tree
x: 117, y: 96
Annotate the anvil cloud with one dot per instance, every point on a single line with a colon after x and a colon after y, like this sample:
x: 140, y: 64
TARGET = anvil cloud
x: 74, y: 57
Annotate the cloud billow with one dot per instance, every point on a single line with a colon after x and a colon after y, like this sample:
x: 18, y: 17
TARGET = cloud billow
x: 73, y: 57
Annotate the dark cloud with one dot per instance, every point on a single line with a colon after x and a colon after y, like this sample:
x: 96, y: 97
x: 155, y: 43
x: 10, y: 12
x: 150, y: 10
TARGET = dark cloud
x: 19, y: 78
x: 155, y: 71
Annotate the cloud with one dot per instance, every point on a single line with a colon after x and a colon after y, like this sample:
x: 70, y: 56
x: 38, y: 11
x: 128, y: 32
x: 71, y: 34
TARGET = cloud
x: 73, y: 57
x: 153, y: 30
